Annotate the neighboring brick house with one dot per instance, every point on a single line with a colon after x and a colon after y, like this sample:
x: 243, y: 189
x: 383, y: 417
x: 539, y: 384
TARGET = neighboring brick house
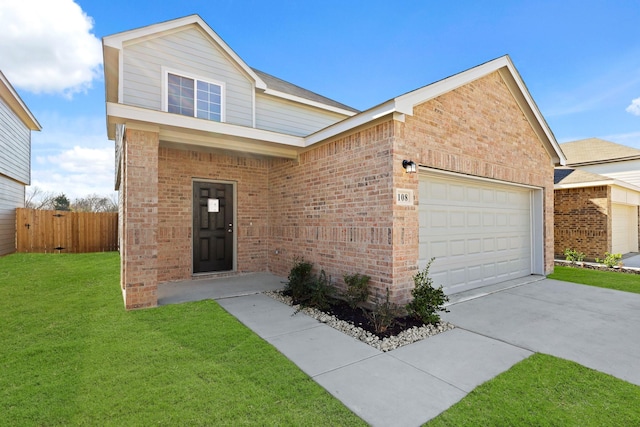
x: 16, y: 124
x: 278, y: 172
x: 597, y: 199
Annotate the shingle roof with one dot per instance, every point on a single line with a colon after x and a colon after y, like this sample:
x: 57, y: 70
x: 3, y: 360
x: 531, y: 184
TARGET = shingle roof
x: 566, y: 176
x: 291, y: 89
x: 595, y: 150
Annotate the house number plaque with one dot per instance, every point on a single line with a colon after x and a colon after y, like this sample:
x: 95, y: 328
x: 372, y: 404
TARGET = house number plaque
x: 404, y: 197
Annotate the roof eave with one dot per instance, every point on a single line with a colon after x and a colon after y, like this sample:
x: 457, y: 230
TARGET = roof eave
x: 13, y: 100
x: 118, y: 40
x: 404, y: 104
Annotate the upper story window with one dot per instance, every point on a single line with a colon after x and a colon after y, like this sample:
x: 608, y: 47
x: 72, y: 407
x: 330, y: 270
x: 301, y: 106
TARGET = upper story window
x: 194, y: 97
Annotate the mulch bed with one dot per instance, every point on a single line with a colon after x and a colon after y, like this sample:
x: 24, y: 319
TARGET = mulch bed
x: 343, y: 311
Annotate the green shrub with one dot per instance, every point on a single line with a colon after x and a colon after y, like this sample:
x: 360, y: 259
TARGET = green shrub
x: 357, y: 289
x: 384, y: 314
x: 427, y: 300
x: 300, y: 279
x: 610, y: 260
x: 573, y: 256
x: 319, y: 293
x: 307, y: 289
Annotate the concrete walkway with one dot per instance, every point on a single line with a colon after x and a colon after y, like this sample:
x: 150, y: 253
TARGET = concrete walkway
x: 596, y: 327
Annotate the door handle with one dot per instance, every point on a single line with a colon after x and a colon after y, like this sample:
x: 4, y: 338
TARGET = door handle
x: 230, y: 230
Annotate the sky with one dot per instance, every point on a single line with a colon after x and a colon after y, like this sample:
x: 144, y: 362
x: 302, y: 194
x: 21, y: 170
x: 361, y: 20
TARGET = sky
x: 580, y: 61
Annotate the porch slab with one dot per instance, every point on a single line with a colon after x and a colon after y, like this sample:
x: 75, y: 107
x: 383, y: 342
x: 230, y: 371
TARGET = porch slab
x: 199, y: 289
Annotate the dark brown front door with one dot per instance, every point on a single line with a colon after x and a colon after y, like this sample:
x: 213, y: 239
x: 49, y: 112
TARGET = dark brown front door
x: 213, y: 227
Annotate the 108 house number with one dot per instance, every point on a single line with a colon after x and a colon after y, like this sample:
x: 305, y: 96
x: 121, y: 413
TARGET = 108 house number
x: 404, y: 197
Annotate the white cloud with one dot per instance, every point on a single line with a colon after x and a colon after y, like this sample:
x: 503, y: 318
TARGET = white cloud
x: 47, y: 46
x: 73, y: 156
x: 634, y: 108
x: 76, y: 172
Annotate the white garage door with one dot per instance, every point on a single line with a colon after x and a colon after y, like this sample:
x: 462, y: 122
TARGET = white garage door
x: 478, y: 231
x: 624, y: 226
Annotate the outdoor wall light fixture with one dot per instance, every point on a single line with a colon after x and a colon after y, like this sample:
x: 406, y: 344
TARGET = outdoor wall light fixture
x: 409, y: 166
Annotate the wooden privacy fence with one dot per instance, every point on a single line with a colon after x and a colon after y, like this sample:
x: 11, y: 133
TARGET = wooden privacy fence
x: 66, y: 232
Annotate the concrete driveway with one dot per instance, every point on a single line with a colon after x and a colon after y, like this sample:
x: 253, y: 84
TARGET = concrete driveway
x: 598, y: 328
x: 496, y: 327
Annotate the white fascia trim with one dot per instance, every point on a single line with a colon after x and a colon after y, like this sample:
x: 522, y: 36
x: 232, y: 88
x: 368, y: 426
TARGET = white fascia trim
x: 305, y: 101
x: 352, y: 122
x: 407, y: 101
x: 584, y: 184
x: 161, y: 118
x: 118, y: 40
x: 13, y: 100
x: 536, y: 112
x: 615, y: 182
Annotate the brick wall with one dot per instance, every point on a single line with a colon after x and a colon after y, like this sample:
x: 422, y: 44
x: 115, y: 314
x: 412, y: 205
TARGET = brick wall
x: 334, y: 207
x: 477, y: 129
x: 139, y: 211
x: 178, y: 170
x: 583, y: 221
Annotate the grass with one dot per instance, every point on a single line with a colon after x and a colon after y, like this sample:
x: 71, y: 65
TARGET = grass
x: 603, y: 279
x: 71, y: 355
x: 544, y: 390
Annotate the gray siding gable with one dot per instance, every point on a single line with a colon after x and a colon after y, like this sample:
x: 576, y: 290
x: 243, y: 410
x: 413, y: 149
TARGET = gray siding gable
x: 191, y: 52
x: 15, y: 146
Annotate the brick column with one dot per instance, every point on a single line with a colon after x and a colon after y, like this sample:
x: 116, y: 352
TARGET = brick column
x: 139, y: 245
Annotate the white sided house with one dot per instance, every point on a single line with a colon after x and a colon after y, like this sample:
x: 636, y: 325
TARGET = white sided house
x: 223, y: 169
x: 16, y: 124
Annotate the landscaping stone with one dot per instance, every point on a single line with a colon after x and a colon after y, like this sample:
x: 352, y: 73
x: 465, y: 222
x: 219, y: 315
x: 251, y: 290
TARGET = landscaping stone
x: 406, y: 337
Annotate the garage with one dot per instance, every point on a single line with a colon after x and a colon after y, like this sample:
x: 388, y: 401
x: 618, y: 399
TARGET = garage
x: 481, y: 232
x: 624, y: 227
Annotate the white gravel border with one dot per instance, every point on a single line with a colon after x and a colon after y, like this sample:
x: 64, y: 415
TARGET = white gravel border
x: 386, y: 344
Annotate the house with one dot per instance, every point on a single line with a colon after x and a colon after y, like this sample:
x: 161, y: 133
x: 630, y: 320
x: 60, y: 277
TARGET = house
x: 223, y: 169
x: 16, y: 124
x: 597, y: 197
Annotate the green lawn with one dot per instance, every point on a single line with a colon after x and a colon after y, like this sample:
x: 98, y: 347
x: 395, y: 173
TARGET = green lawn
x: 546, y: 391
x: 71, y: 355
x: 603, y: 279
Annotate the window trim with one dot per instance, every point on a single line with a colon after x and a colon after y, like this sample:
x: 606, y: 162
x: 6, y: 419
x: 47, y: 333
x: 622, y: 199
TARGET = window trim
x: 165, y: 92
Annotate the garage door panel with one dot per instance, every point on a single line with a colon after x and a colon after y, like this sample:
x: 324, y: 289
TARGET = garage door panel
x: 479, y: 232
x: 624, y: 227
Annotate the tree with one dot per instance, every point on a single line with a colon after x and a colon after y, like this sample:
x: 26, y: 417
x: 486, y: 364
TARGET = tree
x: 95, y: 203
x: 36, y: 198
x: 61, y: 203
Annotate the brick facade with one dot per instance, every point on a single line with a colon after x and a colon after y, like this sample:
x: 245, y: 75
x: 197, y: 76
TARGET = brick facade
x: 479, y: 130
x: 139, y: 210
x: 583, y: 221
x: 178, y: 169
x: 334, y: 205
